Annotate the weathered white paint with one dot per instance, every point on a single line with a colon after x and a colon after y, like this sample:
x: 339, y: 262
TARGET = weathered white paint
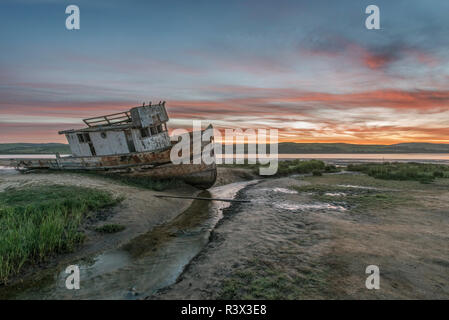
x: 78, y: 149
x: 114, y: 143
x: 147, y: 116
x: 154, y: 142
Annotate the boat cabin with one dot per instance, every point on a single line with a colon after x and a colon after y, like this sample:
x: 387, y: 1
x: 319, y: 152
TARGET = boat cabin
x: 141, y: 129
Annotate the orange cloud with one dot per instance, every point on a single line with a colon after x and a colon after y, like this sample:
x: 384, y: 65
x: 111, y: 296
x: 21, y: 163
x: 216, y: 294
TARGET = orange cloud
x: 300, y: 116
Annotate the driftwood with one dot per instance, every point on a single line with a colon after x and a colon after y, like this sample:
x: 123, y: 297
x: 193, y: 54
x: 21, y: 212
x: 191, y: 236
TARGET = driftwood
x: 199, y: 198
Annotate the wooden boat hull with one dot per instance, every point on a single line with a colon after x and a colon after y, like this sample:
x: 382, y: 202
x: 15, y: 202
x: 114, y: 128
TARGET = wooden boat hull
x: 91, y: 163
x: 156, y: 164
x: 202, y: 176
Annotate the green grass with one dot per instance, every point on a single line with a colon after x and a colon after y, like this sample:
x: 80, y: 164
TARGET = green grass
x: 261, y: 280
x: 300, y: 166
x: 38, y: 222
x: 110, y: 228
x: 424, y: 173
x: 286, y: 167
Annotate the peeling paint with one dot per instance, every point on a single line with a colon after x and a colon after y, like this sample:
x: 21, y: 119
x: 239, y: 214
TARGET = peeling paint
x: 107, y: 147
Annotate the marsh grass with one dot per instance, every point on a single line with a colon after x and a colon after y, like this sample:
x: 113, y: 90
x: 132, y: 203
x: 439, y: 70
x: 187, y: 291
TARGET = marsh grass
x: 262, y: 280
x: 296, y: 166
x: 422, y: 172
x: 37, y: 222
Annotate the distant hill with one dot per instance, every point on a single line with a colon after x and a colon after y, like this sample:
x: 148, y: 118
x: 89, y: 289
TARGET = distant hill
x: 34, y: 148
x: 284, y: 147
x: 287, y: 147
x: 290, y: 147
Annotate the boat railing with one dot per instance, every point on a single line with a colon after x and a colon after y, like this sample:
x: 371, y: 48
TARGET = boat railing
x: 110, y: 119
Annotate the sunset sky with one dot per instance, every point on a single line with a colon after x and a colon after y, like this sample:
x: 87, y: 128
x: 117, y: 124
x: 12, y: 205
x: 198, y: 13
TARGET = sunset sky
x: 309, y: 68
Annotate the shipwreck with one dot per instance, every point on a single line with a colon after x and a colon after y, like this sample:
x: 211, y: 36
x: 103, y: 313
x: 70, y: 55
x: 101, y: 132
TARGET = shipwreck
x: 134, y: 142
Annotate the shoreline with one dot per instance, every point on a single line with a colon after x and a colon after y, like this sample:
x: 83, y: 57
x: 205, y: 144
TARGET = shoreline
x: 140, y: 213
x: 132, y: 213
x: 290, y: 245
x: 292, y: 236
x: 228, y: 213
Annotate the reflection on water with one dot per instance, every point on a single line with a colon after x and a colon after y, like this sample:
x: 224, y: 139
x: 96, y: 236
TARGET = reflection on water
x: 7, y: 170
x: 147, y: 263
x: 28, y: 156
x: 350, y: 186
x: 280, y: 190
x: 335, y: 194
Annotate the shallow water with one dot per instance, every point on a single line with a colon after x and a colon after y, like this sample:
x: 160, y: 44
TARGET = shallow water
x: 316, y: 206
x: 8, y: 170
x: 280, y: 190
x: 350, y: 186
x: 335, y: 194
x: 147, y: 263
x: 371, y: 157
x: 28, y: 156
x: 360, y: 157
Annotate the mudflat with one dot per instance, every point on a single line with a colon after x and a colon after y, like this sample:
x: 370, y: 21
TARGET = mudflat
x: 300, y: 237
x: 137, y: 214
x: 313, y: 237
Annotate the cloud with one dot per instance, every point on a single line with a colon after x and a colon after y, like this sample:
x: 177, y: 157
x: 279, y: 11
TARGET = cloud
x: 375, y: 57
x: 308, y: 68
x: 360, y: 117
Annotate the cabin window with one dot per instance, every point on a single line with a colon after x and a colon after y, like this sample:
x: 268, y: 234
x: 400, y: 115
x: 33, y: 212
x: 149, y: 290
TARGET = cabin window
x: 80, y: 137
x: 144, y: 132
x: 103, y: 135
x: 153, y: 130
x: 83, y: 137
x: 86, y: 137
x: 159, y: 128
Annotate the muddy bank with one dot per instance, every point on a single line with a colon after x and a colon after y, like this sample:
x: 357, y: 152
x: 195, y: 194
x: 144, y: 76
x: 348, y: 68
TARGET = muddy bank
x: 149, y: 222
x: 231, y: 175
x: 315, y: 242
x: 299, y: 238
x: 139, y: 212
